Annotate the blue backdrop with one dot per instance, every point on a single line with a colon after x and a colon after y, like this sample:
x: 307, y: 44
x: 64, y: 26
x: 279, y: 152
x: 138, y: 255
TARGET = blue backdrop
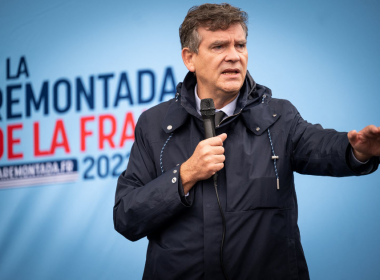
x: 74, y: 77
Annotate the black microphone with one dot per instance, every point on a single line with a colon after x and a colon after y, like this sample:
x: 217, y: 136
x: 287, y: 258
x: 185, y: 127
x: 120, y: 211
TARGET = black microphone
x: 208, y: 116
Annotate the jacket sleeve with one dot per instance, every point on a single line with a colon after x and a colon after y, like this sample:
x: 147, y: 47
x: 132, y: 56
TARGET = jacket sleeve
x: 144, y: 202
x: 324, y: 152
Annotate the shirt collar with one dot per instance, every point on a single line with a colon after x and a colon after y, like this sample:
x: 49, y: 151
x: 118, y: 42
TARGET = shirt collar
x: 229, y: 109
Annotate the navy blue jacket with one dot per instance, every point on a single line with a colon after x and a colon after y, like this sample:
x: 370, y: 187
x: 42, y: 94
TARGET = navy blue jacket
x: 184, y: 233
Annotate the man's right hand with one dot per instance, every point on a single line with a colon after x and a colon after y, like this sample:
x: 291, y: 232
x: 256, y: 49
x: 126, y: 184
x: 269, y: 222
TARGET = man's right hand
x: 206, y: 160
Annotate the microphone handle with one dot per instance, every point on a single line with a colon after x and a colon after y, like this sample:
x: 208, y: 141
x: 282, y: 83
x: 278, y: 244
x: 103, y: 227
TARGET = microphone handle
x: 209, y: 126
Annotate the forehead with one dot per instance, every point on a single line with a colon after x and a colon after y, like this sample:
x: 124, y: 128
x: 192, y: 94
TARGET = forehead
x: 234, y: 32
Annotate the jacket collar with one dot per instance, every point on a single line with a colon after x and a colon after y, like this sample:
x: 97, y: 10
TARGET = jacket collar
x: 260, y: 115
x: 256, y: 115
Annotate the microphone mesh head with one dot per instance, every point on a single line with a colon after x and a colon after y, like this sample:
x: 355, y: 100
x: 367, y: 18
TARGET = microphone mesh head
x: 207, y: 107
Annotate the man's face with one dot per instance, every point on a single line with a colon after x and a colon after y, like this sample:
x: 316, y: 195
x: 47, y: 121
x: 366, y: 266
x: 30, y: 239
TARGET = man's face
x: 221, y: 63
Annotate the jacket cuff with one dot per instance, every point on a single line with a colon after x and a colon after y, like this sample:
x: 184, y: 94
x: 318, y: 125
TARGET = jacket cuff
x: 358, y: 167
x: 187, y: 200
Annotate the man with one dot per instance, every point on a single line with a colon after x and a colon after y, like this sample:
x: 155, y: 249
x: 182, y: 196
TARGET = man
x: 167, y: 192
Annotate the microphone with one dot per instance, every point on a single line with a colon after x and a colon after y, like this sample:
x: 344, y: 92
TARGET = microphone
x: 208, y: 116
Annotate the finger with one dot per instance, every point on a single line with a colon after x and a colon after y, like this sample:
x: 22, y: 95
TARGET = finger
x: 369, y: 130
x: 217, y: 167
x: 216, y: 141
x: 216, y: 150
x: 222, y: 136
x: 218, y: 158
x: 352, y: 135
x: 376, y: 130
x: 213, y: 159
x: 373, y: 129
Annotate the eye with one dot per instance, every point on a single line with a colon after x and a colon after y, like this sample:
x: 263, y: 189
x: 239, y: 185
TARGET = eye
x: 218, y: 48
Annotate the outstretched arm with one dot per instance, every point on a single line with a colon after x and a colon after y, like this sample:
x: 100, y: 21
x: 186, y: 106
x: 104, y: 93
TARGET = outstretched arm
x: 326, y: 152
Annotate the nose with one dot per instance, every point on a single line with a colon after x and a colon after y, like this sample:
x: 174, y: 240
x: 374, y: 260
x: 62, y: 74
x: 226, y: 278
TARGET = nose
x: 232, y: 55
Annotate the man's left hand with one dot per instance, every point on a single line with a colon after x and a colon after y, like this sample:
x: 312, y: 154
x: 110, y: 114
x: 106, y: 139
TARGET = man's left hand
x: 365, y: 143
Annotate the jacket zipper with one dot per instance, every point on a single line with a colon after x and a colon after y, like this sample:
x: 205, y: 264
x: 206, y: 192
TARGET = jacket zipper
x: 235, y: 115
x: 238, y: 113
x: 229, y: 117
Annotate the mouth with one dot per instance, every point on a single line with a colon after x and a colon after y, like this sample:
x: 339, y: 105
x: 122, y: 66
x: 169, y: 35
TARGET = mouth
x: 231, y: 71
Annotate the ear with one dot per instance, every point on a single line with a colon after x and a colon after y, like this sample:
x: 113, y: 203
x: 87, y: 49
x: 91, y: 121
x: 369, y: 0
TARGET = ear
x: 188, y: 59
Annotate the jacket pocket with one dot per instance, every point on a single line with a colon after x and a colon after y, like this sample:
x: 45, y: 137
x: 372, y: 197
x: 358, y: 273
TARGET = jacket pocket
x: 265, y: 247
x: 257, y: 193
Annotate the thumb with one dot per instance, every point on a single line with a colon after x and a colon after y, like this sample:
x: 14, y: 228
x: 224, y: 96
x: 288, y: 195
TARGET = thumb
x: 352, y: 135
x: 222, y: 136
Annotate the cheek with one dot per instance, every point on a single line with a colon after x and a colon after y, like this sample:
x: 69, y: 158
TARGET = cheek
x: 244, y: 59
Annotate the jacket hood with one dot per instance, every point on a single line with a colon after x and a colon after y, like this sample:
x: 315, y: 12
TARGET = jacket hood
x: 252, y: 95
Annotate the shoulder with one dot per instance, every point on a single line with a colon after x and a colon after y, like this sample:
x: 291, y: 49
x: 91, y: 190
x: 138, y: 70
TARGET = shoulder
x: 280, y: 105
x: 283, y: 105
x: 155, y: 114
x: 149, y: 124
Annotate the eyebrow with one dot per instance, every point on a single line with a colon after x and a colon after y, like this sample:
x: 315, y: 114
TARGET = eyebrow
x: 242, y: 42
x: 220, y: 42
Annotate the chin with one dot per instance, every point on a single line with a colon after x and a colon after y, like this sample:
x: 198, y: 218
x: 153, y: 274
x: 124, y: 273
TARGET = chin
x: 232, y: 87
